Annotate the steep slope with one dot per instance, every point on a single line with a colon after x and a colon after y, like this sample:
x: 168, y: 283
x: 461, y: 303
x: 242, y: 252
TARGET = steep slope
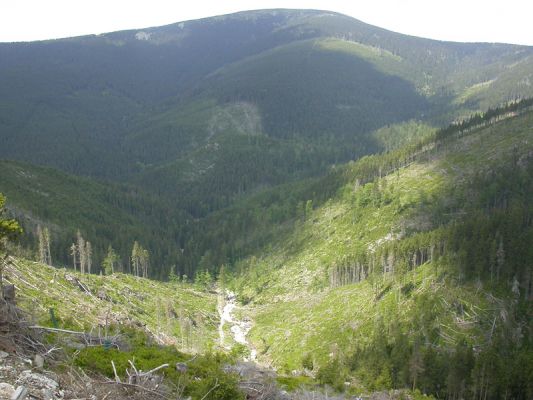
x: 174, y: 314
x: 92, y: 334
x: 419, y: 278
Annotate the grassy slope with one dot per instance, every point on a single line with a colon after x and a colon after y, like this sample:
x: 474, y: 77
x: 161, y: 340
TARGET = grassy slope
x: 294, y: 308
x: 175, y: 314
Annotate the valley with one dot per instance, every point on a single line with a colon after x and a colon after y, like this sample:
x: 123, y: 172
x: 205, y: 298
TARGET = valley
x: 275, y: 204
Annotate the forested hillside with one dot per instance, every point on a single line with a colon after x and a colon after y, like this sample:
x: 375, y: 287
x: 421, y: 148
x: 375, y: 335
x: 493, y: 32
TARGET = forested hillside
x: 199, y: 117
x: 287, y: 93
x: 105, y: 214
x: 429, y: 245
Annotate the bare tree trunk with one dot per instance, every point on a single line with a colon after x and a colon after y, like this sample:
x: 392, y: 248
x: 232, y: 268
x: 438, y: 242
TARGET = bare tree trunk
x: 82, y: 252
x: 48, y: 255
x: 74, y: 252
x: 42, y: 245
x: 89, y: 253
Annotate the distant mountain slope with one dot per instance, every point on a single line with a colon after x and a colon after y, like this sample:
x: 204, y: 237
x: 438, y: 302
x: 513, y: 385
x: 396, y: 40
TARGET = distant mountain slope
x: 201, y: 116
x: 113, y: 104
x: 106, y: 214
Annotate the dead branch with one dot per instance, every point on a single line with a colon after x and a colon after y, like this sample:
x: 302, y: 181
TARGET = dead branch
x: 133, y: 366
x: 57, y: 330
x: 117, y: 379
x: 210, y: 390
x: 133, y: 385
x: 154, y: 370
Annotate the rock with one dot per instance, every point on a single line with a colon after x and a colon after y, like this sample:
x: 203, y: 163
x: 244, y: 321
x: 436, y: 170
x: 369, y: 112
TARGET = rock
x: 38, y: 361
x: 38, y: 380
x: 181, y: 367
x: 20, y: 393
x: 3, y: 355
x: 39, y: 384
x: 6, y: 390
x: 47, y: 394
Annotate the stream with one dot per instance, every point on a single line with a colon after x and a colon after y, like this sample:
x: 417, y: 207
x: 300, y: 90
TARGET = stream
x: 239, y: 328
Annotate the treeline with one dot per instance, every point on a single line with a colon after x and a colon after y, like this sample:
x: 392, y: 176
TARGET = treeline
x: 486, y: 235
x: 406, y: 351
x: 482, y: 119
x: 233, y: 233
x: 81, y: 254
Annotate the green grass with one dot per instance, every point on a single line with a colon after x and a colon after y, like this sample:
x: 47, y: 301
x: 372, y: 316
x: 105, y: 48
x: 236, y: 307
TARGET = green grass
x: 295, y: 310
x: 203, y: 373
x: 174, y: 314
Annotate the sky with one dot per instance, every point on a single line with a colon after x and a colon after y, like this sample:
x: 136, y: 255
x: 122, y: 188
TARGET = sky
x: 507, y: 21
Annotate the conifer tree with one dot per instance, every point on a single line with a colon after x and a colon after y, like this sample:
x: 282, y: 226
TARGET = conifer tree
x: 43, y: 236
x: 47, y: 241
x: 140, y: 259
x: 41, y: 250
x: 145, y: 258
x: 135, y: 258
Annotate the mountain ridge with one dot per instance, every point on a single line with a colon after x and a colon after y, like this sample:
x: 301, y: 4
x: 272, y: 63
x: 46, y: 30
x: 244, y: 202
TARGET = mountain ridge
x: 113, y: 64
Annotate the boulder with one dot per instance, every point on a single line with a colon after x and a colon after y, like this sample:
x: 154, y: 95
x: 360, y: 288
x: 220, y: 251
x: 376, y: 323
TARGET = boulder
x: 6, y: 390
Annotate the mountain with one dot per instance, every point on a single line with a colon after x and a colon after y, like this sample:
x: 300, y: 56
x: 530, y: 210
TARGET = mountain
x: 200, y: 115
x: 365, y: 194
x: 407, y: 270
x: 292, y: 91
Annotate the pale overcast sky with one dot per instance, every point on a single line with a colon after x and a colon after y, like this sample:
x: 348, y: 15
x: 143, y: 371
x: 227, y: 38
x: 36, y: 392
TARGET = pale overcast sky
x: 508, y: 21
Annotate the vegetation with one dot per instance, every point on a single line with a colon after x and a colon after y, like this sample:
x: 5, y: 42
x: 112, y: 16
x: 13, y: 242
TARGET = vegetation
x: 173, y: 313
x: 432, y: 254
x: 156, y: 323
x: 235, y: 128
x: 104, y: 214
x: 201, y: 377
x: 193, y: 133
x: 307, y: 170
x: 9, y: 227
